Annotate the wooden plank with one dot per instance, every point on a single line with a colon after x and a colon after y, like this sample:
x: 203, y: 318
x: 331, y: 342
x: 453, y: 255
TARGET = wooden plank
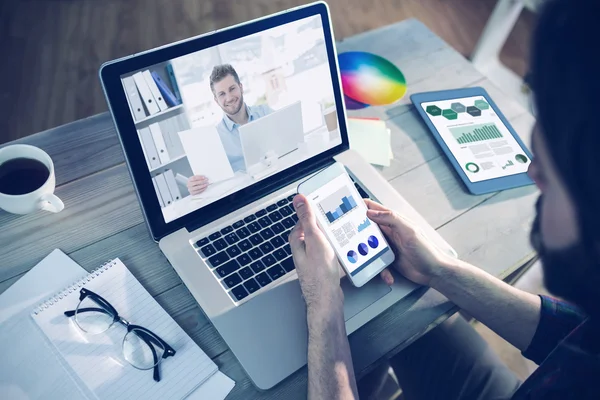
x: 96, y: 207
x: 138, y: 251
x: 435, y: 189
x: 80, y: 148
x: 442, y: 69
x: 495, y: 234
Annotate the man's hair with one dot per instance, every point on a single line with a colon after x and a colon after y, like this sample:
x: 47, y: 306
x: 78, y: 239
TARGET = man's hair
x: 566, y: 82
x: 220, y: 72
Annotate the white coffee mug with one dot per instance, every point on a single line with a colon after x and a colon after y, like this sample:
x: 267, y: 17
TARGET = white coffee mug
x: 43, y: 198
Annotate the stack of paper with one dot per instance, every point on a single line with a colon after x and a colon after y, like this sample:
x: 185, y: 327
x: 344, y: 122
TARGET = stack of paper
x: 371, y: 139
x: 36, y: 368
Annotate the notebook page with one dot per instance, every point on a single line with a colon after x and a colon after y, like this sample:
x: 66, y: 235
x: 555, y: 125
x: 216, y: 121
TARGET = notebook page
x: 98, y: 359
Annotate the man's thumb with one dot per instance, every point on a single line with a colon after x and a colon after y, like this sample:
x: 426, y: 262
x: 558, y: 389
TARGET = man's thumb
x: 306, y: 217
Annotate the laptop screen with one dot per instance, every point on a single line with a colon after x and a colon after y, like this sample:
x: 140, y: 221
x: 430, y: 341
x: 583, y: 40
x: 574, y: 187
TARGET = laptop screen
x: 226, y: 117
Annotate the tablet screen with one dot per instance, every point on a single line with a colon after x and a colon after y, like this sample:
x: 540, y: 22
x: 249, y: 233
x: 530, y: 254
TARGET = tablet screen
x: 477, y: 137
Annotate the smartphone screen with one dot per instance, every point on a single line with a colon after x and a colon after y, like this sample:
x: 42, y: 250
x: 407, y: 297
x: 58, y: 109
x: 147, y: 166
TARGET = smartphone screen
x: 342, y: 214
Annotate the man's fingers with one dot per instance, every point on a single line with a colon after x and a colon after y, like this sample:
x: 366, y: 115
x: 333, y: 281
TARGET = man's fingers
x: 306, y: 217
x: 384, y: 218
x: 373, y: 205
x: 198, y: 179
x: 198, y: 185
x: 387, y: 276
x: 391, y: 219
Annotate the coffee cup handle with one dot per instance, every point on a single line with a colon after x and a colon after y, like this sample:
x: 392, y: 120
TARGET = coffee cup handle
x: 50, y: 202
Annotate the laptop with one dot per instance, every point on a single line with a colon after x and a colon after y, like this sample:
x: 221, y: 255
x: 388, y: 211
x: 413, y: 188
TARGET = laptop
x: 232, y: 251
x: 278, y: 133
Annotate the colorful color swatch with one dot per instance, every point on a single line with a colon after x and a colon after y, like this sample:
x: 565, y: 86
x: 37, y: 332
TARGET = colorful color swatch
x: 368, y: 79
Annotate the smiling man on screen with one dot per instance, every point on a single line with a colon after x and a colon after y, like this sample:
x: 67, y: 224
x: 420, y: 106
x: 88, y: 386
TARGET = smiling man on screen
x: 228, y: 93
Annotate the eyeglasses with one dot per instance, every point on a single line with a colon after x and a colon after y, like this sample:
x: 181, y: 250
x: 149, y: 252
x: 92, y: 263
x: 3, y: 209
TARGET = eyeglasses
x: 141, y: 348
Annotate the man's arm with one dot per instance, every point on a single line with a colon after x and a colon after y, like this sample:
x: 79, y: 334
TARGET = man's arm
x: 330, y: 371
x: 510, y: 312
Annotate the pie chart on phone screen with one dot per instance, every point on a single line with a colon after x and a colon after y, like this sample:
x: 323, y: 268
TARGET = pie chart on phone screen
x: 352, y: 256
x: 363, y: 249
x: 373, y: 242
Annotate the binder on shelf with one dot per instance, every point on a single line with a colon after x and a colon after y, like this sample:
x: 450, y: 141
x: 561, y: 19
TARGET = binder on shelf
x: 173, y: 80
x: 160, y: 101
x: 133, y: 98
x: 160, y: 200
x: 169, y: 97
x: 145, y: 93
x: 149, y: 148
x: 172, y: 141
x: 172, y: 184
x: 159, y: 142
x: 163, y: 189
x: 181, y: 123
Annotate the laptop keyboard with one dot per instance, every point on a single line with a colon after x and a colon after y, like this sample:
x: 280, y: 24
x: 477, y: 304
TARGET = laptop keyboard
x: 253, y: 252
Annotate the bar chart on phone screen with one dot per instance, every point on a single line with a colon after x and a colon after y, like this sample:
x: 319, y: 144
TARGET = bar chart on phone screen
x: 337, y: 204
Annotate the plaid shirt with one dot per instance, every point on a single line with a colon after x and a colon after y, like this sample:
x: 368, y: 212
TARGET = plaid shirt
x: 566, y: 370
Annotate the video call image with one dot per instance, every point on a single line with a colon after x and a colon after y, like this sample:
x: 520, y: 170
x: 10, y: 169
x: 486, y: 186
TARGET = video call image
x: 216, y: 121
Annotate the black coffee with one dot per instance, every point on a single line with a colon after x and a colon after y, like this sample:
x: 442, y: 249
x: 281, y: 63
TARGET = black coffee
x: 22, y: 175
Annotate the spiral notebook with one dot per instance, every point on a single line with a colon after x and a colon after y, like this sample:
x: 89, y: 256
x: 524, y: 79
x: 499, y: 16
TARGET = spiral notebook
x: 97, y: 360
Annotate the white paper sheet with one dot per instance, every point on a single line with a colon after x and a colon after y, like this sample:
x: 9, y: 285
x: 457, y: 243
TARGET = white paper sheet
x: 29, y: 367
x: 206, y: 153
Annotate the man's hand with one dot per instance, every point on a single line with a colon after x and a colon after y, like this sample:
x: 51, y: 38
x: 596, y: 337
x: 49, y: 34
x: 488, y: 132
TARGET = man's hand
x: 330, y: 372
x: 315, y: 260
x: 197, y: 184
x: 416, y: 258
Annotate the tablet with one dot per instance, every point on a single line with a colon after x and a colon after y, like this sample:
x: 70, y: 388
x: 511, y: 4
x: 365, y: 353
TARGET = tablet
x: 483, y: 148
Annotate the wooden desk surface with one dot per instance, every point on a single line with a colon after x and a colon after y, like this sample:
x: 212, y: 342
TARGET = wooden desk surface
x: 102, y: 218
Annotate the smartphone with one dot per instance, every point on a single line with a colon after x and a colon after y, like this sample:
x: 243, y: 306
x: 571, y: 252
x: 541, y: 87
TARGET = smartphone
x: 342, y: 215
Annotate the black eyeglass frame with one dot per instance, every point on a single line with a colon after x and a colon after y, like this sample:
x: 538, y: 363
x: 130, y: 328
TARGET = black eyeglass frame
x: 143, y: 333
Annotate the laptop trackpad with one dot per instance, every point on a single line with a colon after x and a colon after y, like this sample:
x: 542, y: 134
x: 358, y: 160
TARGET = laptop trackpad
x: 357, y: 299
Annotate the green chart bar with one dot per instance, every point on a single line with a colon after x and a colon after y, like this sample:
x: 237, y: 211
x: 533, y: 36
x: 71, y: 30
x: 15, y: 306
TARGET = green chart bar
x: 476, y: 133
x: 489, y: 132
